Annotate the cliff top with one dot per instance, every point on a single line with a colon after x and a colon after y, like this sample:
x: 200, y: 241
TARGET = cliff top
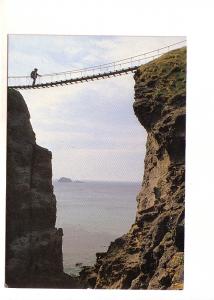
x: 170, y: 68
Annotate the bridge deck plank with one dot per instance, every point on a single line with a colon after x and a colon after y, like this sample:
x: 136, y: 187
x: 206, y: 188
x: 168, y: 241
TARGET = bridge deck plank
x: 78, y: 79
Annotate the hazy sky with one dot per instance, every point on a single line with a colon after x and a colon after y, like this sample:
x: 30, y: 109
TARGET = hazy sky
x: 90, y: 128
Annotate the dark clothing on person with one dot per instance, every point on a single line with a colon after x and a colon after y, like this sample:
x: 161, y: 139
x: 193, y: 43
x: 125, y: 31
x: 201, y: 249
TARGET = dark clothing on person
x: 34, y: 75
x: 34, y: 81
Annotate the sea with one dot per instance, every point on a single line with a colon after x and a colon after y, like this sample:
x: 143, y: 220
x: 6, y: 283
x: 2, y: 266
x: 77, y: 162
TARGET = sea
x: 92, y: 215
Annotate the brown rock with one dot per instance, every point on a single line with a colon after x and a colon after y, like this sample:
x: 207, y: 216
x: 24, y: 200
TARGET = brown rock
x: 150, y: 255
x: 33, y: 244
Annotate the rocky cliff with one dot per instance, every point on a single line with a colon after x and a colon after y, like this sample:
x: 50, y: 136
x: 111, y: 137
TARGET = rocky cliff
x: 151, y: 254
x: 33, y: 244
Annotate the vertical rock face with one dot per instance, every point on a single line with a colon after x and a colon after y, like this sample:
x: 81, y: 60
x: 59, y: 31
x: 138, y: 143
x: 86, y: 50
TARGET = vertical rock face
x: 151, y: 254
x: 33, y: 244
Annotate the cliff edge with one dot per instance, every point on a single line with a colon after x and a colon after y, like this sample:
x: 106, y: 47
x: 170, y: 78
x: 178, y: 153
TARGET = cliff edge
x: 151, y: 254
x: 33, y: 244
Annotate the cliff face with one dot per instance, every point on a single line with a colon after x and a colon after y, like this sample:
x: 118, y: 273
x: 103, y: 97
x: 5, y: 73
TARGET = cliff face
x: 33, y: 244
x: 151, y: 254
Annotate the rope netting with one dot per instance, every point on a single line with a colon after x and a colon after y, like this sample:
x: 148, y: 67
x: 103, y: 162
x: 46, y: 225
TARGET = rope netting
x: 114, y: 68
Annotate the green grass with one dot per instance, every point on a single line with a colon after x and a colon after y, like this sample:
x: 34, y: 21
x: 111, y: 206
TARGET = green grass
x: 169, y: 72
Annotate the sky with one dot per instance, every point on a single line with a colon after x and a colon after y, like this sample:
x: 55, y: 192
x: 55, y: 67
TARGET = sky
x: 90, y: 128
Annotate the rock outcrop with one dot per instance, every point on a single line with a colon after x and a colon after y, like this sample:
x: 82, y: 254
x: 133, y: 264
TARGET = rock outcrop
x: 64, y: 179
x: 33, y: 244
x: 151, y: 254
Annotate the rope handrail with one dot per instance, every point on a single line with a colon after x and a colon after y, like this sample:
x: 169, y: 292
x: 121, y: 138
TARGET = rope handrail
x: 106, y: 65
x: 116, y: 68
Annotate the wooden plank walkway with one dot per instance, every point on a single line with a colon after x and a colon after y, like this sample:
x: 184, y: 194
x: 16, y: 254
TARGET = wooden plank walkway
x: 107, y: 70
x: 76, y: 80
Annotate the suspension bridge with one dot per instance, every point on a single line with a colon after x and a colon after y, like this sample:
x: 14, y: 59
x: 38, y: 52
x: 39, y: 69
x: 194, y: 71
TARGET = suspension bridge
x: 113, y: 69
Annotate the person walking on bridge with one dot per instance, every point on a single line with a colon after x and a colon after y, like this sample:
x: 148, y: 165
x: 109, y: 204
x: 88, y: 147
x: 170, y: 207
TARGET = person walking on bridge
x: 34, y: 75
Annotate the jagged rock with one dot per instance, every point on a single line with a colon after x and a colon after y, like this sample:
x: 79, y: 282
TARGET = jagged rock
x: 33, y: 244
x: 150, y: 255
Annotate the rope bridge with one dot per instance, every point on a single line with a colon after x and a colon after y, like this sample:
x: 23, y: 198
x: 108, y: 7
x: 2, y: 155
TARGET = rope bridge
x: 116, y: 68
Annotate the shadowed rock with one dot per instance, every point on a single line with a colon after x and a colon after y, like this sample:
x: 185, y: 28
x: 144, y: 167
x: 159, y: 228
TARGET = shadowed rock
x: 33, y: 244
x: 150, y: 255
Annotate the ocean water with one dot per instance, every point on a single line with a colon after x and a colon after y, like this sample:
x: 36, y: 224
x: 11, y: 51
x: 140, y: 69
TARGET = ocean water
x: 92, y: 214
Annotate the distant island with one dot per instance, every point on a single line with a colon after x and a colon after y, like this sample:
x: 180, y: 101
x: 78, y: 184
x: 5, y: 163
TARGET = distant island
x: 67, y: 180
x: 64, y: 179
